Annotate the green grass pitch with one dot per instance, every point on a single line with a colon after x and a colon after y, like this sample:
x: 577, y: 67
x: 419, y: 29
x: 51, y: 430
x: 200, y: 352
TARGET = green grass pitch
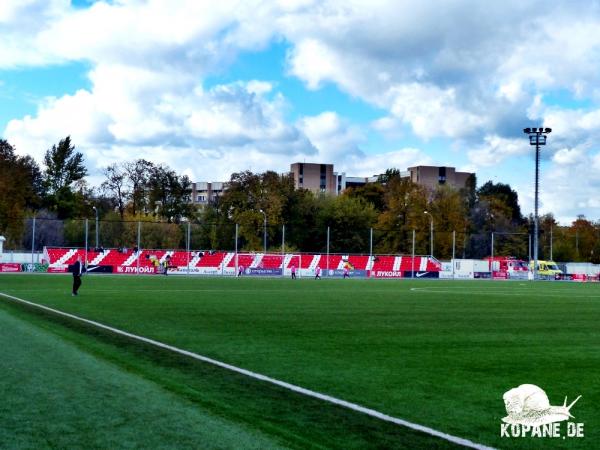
x: 437, y: 353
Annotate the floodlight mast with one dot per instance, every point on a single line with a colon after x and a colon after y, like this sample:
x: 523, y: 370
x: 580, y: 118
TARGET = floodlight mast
x: 537, y: 137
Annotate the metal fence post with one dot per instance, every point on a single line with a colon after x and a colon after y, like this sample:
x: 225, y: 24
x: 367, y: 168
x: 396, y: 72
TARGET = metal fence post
x: 236, y: 250
x: 453, y: 251
x: 492, y: 260
x: 139, y: 236
x: 33, y: 239
x: 189, y: 234
x: 413, y: 255
x: 86, y: 241
x: 283, y: 251
x: 327, y: 250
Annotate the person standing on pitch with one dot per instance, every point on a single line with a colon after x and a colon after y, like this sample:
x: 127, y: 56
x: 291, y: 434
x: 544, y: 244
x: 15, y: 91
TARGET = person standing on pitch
x: 293, y: 270
x: 78, y: 269
x: 346, y: 272
x: 318, y: 273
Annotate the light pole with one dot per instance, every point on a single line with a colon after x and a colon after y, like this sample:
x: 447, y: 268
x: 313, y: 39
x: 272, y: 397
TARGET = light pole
x: 96, y: 210
x: 264, y: 230
x: 537, y: 137
x: 431, y: 231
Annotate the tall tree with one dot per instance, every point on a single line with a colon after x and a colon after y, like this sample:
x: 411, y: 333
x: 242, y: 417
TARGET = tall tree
x: 115, y: 186
x: 349, y: 220
x: 405, y: 202
x: 503, y: 193
x: 169, y: 195
x: 372, y: 193
x: 138, y: 174
x: 20, y: 189
x: 64, y: 167
x: 449, y: 210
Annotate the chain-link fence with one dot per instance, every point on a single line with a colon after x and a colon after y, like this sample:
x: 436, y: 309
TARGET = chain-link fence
x: 38, y: 233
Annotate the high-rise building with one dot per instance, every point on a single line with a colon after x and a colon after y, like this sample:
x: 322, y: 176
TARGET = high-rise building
x: 204, y: 192
x: 318, y: 178
x: 434, y: 176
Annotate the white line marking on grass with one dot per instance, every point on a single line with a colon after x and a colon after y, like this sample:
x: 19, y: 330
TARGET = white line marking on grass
x: 513, y: 293
x: 258, y: 376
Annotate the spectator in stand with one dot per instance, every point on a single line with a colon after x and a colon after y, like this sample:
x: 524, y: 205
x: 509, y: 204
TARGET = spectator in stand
x: 318, y: 273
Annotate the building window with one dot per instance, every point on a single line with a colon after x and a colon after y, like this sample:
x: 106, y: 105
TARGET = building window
x: 442, y: 175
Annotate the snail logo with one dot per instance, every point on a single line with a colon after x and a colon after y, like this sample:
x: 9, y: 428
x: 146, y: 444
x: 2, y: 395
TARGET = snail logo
x: 529, y: 411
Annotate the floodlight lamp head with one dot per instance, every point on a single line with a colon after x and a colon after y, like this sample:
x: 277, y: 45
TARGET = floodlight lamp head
x: 548, y: 130
x: 527, y: 130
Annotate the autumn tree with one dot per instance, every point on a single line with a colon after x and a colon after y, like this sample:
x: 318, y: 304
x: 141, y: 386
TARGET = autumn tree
x: 405, y: 202
x: 20, y: 191
x: 449, y: 213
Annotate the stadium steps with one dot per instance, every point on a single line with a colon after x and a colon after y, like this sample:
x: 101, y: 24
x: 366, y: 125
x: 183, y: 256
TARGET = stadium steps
x: 99, y: 257
x: 397, y: 263
x: 257, y: 260
x: 315, y: 262
x: 370, y: 263
x: 286, y: 260
x: 167, y: 253
x: 134, y: 256
x: 228, y: 257
x: 62, y: 259
x: 244, y: 259
x: 195, y: 260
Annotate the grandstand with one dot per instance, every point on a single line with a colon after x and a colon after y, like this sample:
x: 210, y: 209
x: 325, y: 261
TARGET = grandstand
x: 215, y: 261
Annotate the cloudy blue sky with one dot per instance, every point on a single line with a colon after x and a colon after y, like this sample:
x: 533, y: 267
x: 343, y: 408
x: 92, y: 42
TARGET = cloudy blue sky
x: 215, y: 87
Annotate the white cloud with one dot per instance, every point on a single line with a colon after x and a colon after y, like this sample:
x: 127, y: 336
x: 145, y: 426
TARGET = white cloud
x: 470, y: 72
x: 130, y: 114
x: 339, y: 141
x: 496, y: 149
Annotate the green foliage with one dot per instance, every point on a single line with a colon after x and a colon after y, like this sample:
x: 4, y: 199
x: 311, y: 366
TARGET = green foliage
x: 169, y: 195
x: 405, y: 202
x: 115, y: 187
x: 349, y: 220
x: 20, y: 189
x: 373, y: 193
x: 502, y: 194
x: 64, y: 168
